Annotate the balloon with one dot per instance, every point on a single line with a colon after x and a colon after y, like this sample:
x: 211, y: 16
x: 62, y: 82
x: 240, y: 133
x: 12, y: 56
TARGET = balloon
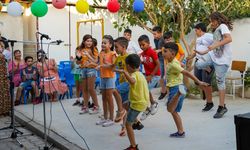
x: 59, y: 4
x: 138, y: 6
x: 39, y: 8
x: 82, y: 6
x: 1, y: 6
x: 113, y: 6
x: 14, y: 9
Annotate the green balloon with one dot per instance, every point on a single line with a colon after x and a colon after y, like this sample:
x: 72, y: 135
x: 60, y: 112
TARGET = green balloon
x: 39, y: 8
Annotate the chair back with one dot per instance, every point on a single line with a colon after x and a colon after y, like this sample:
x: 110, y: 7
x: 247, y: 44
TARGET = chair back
x: 65, y: 63
x: 69, y: 78
x: 239, y: 66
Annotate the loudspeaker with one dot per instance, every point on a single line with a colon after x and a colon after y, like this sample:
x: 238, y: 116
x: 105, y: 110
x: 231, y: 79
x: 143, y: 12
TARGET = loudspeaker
x: 242, y: 126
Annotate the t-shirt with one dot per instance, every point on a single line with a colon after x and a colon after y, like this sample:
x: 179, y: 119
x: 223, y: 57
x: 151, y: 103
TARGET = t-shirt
x: 121, y: 64
x: 29, y: 73
x: 223, y: 54
x: 139, y: 93
x: 106, y: 58
x: 149, y: 58
x: 7, y: 54
x: 159, y: 43
x: 180, y: 52
x: 174, y: 75
x: 203, y: 42
x: 85, y: 59
x: 133, y: 48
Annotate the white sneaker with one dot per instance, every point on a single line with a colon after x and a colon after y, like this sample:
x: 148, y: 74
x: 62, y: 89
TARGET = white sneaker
x: 154, y: 108
x: 145, y: 114
x: 182, y: 90
x: 108, y: 123
x: 94, y: 110
x: 84, y: 111
x: 101, y: 122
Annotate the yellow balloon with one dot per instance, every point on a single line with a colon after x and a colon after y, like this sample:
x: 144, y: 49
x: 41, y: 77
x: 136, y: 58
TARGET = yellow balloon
x: 82, y: 6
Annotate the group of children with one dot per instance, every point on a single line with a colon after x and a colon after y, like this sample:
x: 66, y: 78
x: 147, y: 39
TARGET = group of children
x: 165, y: 63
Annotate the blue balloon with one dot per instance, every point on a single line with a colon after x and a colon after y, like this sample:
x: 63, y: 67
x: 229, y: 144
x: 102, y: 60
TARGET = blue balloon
x: 138, y: 6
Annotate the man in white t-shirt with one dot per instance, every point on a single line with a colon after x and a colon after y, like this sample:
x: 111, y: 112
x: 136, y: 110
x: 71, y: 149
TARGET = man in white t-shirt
x: 133, y: 48
x: 203, y: 41
x: 220, y: 55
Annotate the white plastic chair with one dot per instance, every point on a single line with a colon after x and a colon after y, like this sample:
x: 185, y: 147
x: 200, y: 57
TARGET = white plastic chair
x: 241, y: 67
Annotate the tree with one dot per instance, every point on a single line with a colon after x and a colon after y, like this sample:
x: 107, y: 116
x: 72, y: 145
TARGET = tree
x: 178, y: 16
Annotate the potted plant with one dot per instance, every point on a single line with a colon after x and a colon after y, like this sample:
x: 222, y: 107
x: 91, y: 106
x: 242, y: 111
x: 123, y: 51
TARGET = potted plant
x: 247, y: 83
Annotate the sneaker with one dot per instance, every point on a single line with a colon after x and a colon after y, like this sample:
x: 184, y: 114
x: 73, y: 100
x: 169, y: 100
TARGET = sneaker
x: 119, y: 115
x: 220, y: 112
x: 154, y: 108
x: 145, y: 114
x: 94, y: 110
x: 84, y: 110
x: 208, y: 106
x: 162, y: 96
x: 108, y: 123
x: 77, y: 102
x: 177, y: 135
x: 137, y: 126
x: 182, y: 90
x: 132, y: 148
x: 101, y: 122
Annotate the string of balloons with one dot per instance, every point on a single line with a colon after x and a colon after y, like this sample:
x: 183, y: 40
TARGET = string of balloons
x: 39, y: 8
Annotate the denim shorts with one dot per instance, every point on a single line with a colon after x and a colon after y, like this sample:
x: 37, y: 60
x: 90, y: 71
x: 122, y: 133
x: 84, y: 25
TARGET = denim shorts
x: 154, y: 82
x: 123, y: 89
x: 220, y: 70
x: 162, y: 69
x: 132, y: 115
x: 88, y: 72
x: 172, y: 92
x: 26, y: 83
x: 107, y: 83
x: 203, y: 75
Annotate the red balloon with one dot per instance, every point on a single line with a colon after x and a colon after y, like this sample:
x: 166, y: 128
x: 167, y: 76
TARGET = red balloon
x: 59, y: 4
x: 113, y: 6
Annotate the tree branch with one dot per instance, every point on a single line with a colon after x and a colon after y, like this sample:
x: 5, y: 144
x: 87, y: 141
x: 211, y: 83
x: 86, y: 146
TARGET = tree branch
x: 228, y: 6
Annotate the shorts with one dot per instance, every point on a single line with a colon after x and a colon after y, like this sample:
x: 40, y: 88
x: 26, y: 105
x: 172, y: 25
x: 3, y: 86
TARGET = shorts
x: 26, y: 83
x: 123, y: 89
x: 77, y: 77
x: 132, y: 116
x: 107, y: 83
x: 203, y: 75
x: 154, y: 82
x: 88, y: 72
x: 172, y: 92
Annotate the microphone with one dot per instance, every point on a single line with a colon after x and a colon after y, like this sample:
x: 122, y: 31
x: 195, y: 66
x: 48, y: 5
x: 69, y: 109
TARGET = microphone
x: 44, y: 36
x: 57, y: 42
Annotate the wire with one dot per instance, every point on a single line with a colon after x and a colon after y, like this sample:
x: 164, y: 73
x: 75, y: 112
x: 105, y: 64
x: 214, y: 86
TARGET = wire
x: 72, y: 125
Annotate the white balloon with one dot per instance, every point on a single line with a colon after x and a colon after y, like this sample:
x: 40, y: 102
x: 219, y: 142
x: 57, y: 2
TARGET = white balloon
x: 14, y: 9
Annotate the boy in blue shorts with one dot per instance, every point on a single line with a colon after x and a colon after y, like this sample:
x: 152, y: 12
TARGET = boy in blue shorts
x: 138, y: 95
x: 177, y: 90
x: 29, y: 77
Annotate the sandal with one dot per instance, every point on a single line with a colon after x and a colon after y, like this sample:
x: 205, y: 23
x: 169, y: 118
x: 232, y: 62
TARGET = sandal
x: 123, y: 132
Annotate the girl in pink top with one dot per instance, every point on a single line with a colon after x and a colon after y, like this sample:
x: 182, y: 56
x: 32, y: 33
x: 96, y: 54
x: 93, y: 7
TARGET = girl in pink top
x: 49, y: 77
x: 16, y: 66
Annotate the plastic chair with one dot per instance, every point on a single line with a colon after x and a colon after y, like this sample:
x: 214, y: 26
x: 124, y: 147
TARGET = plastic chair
x: 69, y: 80
x: 26, y: 92
x: 241, y: 67
x: 61, y: 74
x: 65, y: 64
x: 97, y: 80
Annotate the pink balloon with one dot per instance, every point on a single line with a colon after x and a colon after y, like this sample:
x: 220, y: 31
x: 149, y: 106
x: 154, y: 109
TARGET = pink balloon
x: 59, y: 4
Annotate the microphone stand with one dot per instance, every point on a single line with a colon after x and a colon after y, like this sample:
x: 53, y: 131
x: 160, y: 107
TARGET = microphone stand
x: 15, y: 131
